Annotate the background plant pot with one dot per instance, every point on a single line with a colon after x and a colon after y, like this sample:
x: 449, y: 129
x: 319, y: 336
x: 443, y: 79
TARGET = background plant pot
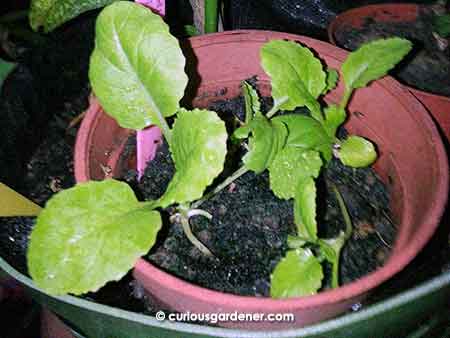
x: 417, y: 175
x: 437, y: 105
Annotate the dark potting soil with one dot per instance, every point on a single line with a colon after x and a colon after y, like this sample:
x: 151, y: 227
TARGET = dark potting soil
x: 250, y: 225
x: 426, y: 67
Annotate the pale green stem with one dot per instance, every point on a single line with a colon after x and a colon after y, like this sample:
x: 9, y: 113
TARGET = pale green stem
x: 345, y: 98
x: 211, y: 15
x: 238, y: 173
x: 276, y: 107
x: 184, y: 220
x: 344, y: 211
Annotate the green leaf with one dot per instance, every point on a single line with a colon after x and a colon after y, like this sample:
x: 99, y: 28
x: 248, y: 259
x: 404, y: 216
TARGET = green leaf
x: 88, y: 235
x: 332, y: 80
x: 298, y: 274
x: 372, y: 61
x: 305, y: 209
x: 296, y: 73
x: 357, y: 152
x: 334, y: 117
x: 191, y: 30
x: 291, y: 166
x: 5, y: 69
x: 441, y: 25
x: 52, y: 13
x: 331, y: 250
x: 252, y: 103
x: 137, y: 67
x: 306, y: 132
x: 295, y: 242
x: 198, y: 147
x: 266, y: 141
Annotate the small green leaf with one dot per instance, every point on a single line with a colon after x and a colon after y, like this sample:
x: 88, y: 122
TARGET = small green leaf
x: 291, y: 166
x: 266, y: 141
x: 252, y: 103
x: 5, y: 69
x: 441, y: 25
x: 52, y: 13
x: 191, y: 30
x: 332, y: 80
x: 88, y: 235
x: 137, y: 67
x: 198, y: 147
x: 357, y: 152
x: 296, y: 275
x: 305, y: 209
x: 372, y: 61
x: 296, y: 73
x: 306, y: 132
x: 334, y: 117
x: 331, y: 250
x: 295, y: 242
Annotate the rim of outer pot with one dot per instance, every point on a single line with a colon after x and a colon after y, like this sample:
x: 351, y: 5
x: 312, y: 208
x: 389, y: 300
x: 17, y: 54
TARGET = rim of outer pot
x: 369, y: 281
x: 392, y: 12
x: 346, y: 321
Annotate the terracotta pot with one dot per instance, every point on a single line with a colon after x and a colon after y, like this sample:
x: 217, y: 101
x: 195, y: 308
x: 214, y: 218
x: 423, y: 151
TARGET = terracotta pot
x: 417, y: 174
x: 437, y: 105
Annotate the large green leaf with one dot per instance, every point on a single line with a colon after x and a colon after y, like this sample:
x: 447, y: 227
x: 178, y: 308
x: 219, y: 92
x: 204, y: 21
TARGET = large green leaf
x: 306, y: 132
x: 305, y: 209
x: 291, y: 166
x: 52, y: 13
x: 298, y: 274
x: 373, y: 60
x: 5, y: 69
x: 357, y: 152
x: 88, y: 235
x: 198, y: 147
x: 137, y: 67
x: 295, y: 73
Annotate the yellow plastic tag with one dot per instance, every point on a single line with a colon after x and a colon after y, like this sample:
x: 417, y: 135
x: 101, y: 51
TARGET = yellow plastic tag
x: 14, y: 204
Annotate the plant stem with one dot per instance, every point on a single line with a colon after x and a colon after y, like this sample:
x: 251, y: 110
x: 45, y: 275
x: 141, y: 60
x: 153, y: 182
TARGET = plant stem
x: 211, y: 15
x: 345, y: 98
x: 238, y: 173
x: 276, y: 107
x: 166, y: 131
x: 344, y: 211
x: 184, y: 220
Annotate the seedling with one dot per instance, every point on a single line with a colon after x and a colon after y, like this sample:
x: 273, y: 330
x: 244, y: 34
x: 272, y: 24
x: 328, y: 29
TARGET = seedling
x: 94, y: 232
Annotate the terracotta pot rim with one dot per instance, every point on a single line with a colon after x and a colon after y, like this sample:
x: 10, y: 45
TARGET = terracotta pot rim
x: 344, y: 16
x: 358, y: 287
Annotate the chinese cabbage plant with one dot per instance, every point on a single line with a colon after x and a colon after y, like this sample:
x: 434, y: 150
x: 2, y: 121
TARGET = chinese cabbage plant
x: 94, y: 232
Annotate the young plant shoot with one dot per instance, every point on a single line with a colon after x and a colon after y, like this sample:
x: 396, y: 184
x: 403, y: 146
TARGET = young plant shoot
x: 94, y: 232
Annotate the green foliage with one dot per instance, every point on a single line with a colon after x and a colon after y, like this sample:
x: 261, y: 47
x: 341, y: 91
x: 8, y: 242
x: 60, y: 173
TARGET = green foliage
x: 357, y: 152
x: 441, y: 24
x: 291, y: 166
x: 298, y: 274
x: 295, y: 73
x: 94, y: 232
x: 137, y: 67
x: 88, y: 235
x: 5, y: 69
x: 372, y: 61
x: 50, y: 14
x: 305, y: 209
x: 198, y: 150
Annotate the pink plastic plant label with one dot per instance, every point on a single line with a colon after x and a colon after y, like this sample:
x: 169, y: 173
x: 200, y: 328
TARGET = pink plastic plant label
x: 147, y: 139
x: 157, y: 6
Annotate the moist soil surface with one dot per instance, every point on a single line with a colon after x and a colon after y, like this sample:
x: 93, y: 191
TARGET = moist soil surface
x: 250, y: 225
x: 426, y: 67
x: 50, y: 87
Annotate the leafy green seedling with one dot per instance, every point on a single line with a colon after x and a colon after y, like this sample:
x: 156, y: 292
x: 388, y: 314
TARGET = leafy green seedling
x: 295, y: 155
x: 95, y: 231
